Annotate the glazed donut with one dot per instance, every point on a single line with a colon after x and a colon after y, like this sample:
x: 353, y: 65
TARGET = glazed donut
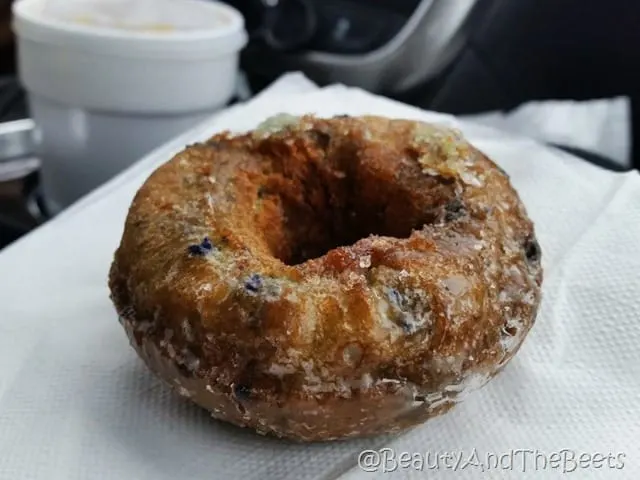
x: 319, y: 279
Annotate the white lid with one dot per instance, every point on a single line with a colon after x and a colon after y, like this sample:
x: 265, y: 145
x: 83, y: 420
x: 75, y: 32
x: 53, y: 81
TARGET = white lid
x: 205, y: 29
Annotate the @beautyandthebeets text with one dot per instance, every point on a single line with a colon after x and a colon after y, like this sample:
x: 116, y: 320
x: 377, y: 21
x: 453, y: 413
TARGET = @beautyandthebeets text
x: 522, y: 460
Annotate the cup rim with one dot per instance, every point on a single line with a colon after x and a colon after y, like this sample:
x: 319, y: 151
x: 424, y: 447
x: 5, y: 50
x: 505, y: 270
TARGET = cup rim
x: 25, y: 11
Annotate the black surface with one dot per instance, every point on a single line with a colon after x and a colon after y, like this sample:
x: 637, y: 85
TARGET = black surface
x: 13, y: 106
x: 349, y: 27
x: 332, y: 26
x: 544, y: 49
x: 523, y: 50
x: 9, y: 232
x: 13, y: 103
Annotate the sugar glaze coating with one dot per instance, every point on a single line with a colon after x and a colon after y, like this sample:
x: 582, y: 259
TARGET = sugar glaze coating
x: 320, y: 279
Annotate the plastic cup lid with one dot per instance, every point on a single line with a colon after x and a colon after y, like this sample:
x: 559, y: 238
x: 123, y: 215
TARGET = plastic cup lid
x: 194, y: 28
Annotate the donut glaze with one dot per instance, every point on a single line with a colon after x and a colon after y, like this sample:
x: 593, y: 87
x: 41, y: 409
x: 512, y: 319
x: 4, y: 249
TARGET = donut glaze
x: 319, y: 279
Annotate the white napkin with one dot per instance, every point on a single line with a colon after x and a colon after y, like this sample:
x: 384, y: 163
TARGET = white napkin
x: 600, y: 126
x: 76, y: 403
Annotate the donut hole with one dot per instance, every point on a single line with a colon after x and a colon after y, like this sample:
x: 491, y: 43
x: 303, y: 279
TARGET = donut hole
x: 321, y: 209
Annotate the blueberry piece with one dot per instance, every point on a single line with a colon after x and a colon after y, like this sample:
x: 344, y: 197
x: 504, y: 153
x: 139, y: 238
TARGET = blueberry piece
x: 323, y: 139
x: 253, y: 283
x: 399, y: 302
x: 195, y: 250
x: 206, y: 244
x: 395, y: 296
x: 242, y: 392
x: 201, y: 249
x: 408, y: 328
x: 532, y: 250
x: 410, y: 313
x: 454, y: 210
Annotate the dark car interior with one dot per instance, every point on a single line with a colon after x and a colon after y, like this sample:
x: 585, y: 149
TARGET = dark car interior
x: 508, y: 52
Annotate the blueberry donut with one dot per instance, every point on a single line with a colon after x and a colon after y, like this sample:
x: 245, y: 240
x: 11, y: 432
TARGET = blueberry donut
x: 319, y: 279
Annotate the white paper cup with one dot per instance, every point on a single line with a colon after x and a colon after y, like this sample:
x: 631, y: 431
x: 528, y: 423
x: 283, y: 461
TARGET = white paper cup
x: 102, y: 98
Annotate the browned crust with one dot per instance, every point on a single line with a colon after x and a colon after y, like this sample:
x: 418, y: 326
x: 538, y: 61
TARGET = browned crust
x: 371, y: 337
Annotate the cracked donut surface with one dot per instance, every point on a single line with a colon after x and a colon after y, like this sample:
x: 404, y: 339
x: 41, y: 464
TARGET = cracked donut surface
x: 319, y: 279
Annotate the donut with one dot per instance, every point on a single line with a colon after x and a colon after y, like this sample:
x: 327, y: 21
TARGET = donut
x: 327, y: 278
